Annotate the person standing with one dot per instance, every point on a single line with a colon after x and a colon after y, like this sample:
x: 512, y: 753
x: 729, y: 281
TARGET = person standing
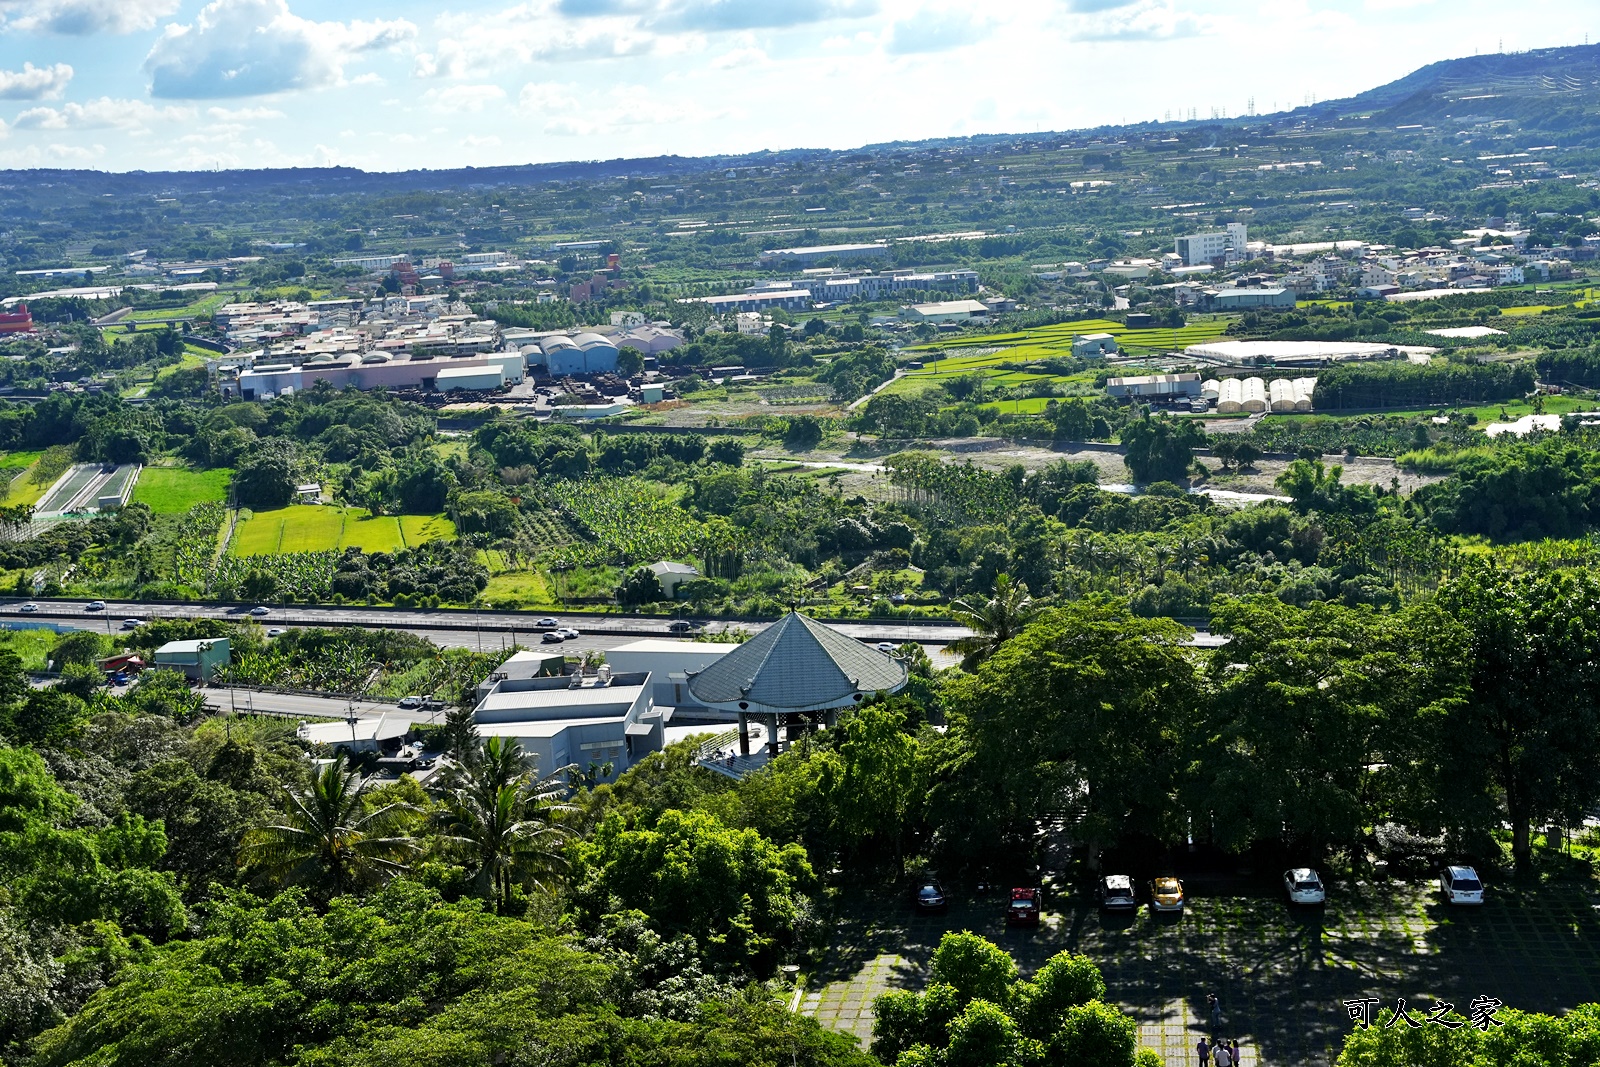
x: 1215, y: 1014
x: 1223, y: 1057
x: 1235, y: 1049
x: 1204, y: 1049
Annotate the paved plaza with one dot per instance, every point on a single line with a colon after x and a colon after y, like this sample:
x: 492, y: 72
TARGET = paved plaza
x: 1282, y: 973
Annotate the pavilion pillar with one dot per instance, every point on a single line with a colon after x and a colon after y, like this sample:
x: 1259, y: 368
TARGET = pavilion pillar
x: 744, y: 734
x: 773, y: 747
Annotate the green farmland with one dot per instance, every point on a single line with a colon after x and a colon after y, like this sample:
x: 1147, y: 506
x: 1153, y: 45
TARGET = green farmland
x: 319, y: 527
x: 174, y: 490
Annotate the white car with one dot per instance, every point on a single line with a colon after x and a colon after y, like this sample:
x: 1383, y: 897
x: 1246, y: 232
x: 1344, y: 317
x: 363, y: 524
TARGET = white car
x: 1461, y: 885
x: 276, y: 631
x: 1304, y: 886
x: 95, y: 605
x: 29, y: 608
x: 884, y: 647
x: 132, y: 624
x: 259, y: 611
x: 547, y: 623
x: 411, y: 702
x: 568, y: 632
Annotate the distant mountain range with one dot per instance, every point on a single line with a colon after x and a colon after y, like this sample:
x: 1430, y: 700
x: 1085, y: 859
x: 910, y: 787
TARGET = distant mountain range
x: 1550, y: 90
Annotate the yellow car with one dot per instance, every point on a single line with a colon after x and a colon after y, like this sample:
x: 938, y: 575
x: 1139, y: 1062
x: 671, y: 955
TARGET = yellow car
x: 1166, y: 894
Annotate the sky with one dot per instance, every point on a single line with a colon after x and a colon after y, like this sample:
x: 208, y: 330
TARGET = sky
x: 410, y: 84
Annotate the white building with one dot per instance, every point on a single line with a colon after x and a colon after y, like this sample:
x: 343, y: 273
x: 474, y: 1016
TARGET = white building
x: 607, y: 719
x: 947, y: 311
x: 669, y: 664
x: 1228, y: 243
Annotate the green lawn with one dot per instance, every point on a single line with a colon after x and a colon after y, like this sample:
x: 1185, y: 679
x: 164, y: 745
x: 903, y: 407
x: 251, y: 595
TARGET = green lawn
x: 522, y: 587
x: 319, y: 527
x: 174, y: 490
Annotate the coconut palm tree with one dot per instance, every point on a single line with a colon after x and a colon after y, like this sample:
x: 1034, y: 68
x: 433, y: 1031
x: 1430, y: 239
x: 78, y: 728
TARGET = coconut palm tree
x: 994, y: 620
x: 504, y: 819
x: 328, y: 842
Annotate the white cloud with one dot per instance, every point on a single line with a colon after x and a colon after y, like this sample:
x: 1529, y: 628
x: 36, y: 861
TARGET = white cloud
x: 34, y: 83
x: 714, y: 16
x: 748, y: 56
x: 463, y: 98
x: 104, y: 113
x: 243, y: 114
x: 548, y: 96
x: 79, y: 17
x: 936, y: 31
x: 255, y: 47
x: 1142, y: 20
x: 526, y: 33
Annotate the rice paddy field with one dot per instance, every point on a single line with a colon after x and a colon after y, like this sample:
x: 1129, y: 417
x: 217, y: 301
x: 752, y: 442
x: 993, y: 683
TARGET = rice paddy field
x: 320, y: 527
x: 174, y: 490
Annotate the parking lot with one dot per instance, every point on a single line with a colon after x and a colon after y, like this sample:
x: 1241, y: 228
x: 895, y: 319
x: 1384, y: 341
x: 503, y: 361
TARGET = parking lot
x: 1282, y: 973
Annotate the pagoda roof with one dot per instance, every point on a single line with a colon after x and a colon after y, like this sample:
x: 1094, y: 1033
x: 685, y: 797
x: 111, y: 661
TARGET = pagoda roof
x: 796, y: 664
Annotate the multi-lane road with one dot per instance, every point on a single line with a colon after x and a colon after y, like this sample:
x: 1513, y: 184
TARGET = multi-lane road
x: 459, y: 628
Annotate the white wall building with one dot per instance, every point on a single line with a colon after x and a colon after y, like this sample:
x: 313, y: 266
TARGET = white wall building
x: 609, y: 718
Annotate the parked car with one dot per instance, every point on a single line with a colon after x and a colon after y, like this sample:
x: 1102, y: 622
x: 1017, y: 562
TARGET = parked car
x: 1026, y: 904
x: 1304, y: 886
x: 1117, y: 893
x: 552, y: 637
x: 29, y: 608
x: 1166, y: 894
x: 568, y: 632
x: 431, y: 702
x: 427, y: 759
x: 930, y: 897
x: 411, y: 702
x: 680, y: 626
x: 132, y: 624
x: 95, y: 605
x: 547, y: 623
x: 1461, y: 885
x: 259, y: 610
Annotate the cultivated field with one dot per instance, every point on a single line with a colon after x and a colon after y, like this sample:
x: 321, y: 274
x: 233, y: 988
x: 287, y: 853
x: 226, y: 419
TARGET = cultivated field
x: 174, y: 490
x: 319, y: 527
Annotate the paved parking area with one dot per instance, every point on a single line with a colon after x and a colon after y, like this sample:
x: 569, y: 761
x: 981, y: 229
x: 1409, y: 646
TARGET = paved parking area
x: 1282, y: 974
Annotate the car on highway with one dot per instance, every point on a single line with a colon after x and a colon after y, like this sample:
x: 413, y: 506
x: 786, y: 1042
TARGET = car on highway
x: 680, y: 626
x: 29, y: 608
x: 885, y: 647
x: 132, y: 624
x: 1304, y: 886
x: 411, y: 702
x: 276, y: 631
x: 930, y: 897
x: 1166, y: 894
x: 547, y: 623
x: 1117, y: 893
x: 1026, y: 904
x: 260, y: 610
x: 568, y: 632
x: 1461, y: 885
x: 95, y: 605
x: 552, y: 637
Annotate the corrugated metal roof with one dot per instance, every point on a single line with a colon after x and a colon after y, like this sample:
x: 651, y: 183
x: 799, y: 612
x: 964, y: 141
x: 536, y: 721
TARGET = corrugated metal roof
x: 796, y: 664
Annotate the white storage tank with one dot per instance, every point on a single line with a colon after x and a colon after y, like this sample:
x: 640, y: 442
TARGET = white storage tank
x: 1230, y: 399
x: 1255, y: 395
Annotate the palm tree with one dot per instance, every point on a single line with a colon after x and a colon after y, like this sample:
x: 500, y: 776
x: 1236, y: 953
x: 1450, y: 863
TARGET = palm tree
x: 503, y: 818
x: 328, y: 842
x: 994, y: 620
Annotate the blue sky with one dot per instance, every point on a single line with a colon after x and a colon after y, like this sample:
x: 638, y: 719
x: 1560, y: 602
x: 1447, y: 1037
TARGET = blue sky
x: 401, y: 84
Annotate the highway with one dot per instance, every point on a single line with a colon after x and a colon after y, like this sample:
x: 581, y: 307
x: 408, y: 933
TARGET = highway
x: 463, y: 628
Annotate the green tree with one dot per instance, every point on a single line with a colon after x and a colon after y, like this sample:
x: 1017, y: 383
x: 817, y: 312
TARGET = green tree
x: 504, y: 820
x: 874, y: 782
x: 328, y: 840
x: 1160, y: 449
x: 1528, y: 636
x: 1096, y: 1033
x: 1079, y: 713
x: 976, y: 968
x: 741, y: 897
x: 994, y: 620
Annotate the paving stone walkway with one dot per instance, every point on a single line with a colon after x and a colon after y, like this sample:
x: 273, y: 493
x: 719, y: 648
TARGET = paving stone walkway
x: 1282, y: 974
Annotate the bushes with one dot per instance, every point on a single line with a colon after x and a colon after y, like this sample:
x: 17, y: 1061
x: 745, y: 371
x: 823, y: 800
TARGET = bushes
x: 1410, y: 385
